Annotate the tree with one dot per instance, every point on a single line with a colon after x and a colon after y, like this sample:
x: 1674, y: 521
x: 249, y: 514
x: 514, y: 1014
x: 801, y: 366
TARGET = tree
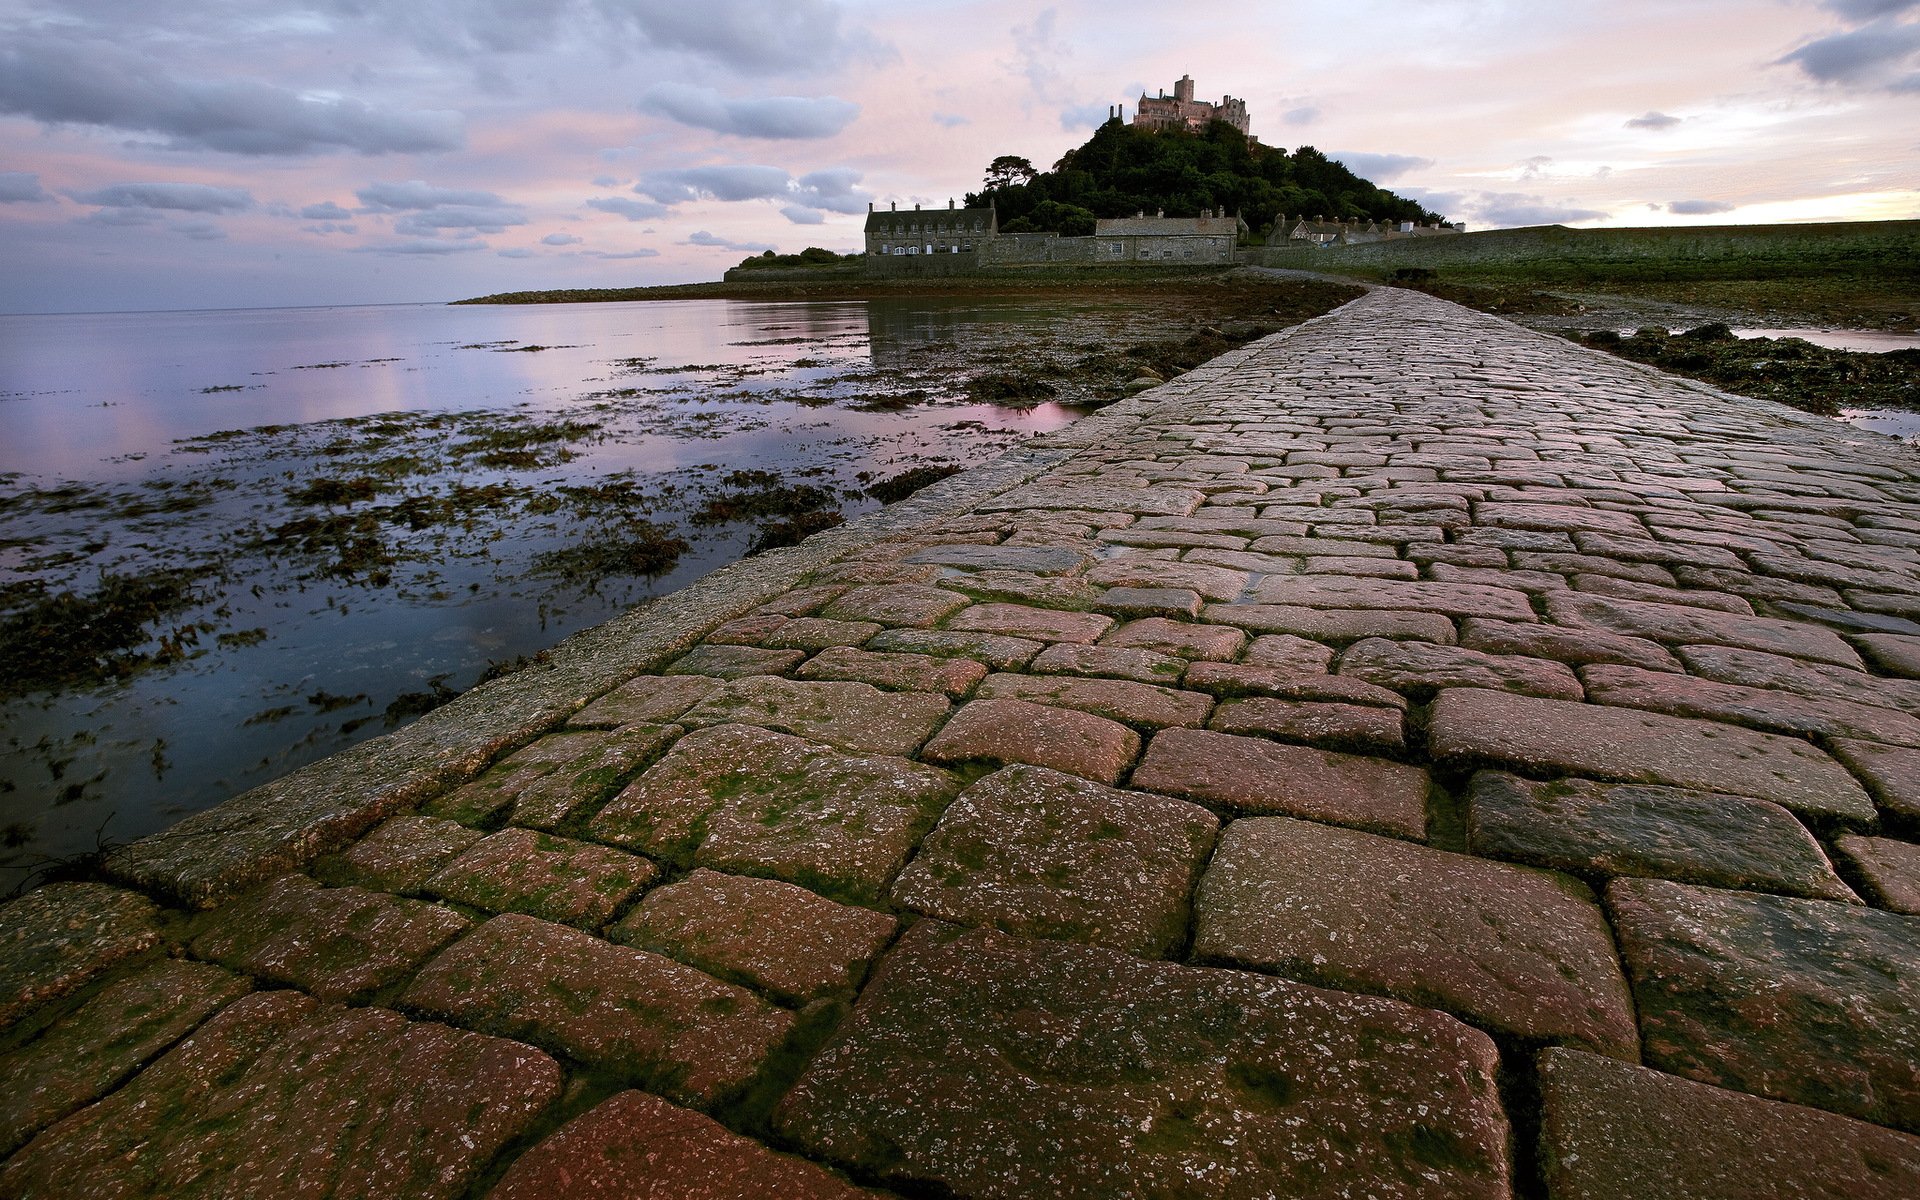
x: 1009, y: 170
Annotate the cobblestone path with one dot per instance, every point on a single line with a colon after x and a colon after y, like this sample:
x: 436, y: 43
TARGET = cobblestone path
x: 1418, y: 758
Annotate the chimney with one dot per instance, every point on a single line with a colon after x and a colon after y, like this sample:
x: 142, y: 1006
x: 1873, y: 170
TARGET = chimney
x: 949, y: 203
x: 894, y: 205
x: 869, y: 206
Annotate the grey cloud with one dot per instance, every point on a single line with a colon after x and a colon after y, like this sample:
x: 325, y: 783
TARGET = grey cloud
x: 561, y: 239
x: 1695, y: 208
x: 1867, y: 10
x: 832, y: 189
x: 413, y: 194
x: 325, y: 211
x: 177, y: 197
x: 199, y: 231
x: 632, y: 210
x: 1513, y: 208
x: 423, y: 247
x: 1535, y: 167
x: 121, y: 216
x: 1306, y: 115
x: 1084, y: 116
x: 1652, y: 120
x: 788, y: 117
x: 330, y: 227
x: 515, y: 252
x: 1878, y: 54
x: 59, y: 79
x: 1379, y: 168
x: 740, y: 182
x: 801, y: 215
x: 703, y: 238
x: 617, y: 254
x: 481, y: 220
x: 749, y: 35
x: 604, y: 181
x: 21, y: 187
x: 951, y: 120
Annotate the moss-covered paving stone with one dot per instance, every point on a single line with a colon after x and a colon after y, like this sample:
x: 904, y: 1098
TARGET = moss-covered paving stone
x: 1360, y: 727
x: 983, y: 1064
x: 1256, y: 777
x: 1521, y: 952
x: 1799, y: 1000
x: 1634, y: 829
x: 951, y: 677
x: 1419, y: 669
x: 1183, y: 639
x: 1138, y: 704
x: 57, y: 938
x: 817, y: 633
x: 647, y: 699
x: 1474, y: 727
x: 1614, y: 1131
x: 633, y: 1146
x: 746, y: 799
x: 1019, y: 731
x: 1889, y: 869
x: 1891, y: 774
x: 338, y: 943
x: 853, y: 716
x: 399, y: 855
x: 997, y: 651
x: 908, y: 604
x: 735, y: 662
x: 644, y: 1017
x: 1041, y: 853
x: 1041, y: 624
x: 91, y: 1050
x: 553, y: 878
x: 1120, y: 662
x: 556, y: 778
x: 782, y: 939
x: 282, y: 1095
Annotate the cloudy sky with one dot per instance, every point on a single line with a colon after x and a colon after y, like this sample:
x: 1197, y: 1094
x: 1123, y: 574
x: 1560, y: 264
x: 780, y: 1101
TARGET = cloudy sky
x: 230, y: 153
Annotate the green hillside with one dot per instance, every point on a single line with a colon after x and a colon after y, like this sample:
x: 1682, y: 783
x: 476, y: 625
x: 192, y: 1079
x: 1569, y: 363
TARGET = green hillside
x: 1124, y: 169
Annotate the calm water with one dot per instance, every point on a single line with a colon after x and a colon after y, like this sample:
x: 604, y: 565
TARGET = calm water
x: 124, y: 451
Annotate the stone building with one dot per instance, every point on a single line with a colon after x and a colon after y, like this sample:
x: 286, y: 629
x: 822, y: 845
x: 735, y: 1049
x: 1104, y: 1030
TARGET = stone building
x: 1182, y: 111
x: 948, y: 230
x: 1209, y: 238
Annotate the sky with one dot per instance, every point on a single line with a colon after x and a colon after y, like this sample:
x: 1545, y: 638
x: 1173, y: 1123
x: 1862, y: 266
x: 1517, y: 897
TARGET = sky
x: 247, y: 153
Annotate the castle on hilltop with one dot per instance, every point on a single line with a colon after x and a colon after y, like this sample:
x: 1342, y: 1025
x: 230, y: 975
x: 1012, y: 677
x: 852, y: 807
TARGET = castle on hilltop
x: 1182, y: 111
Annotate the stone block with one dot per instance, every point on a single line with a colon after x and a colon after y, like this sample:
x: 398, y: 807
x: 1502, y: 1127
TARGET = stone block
x: 639, y: 1016
x: 1041, y: 560
x: 1024, y: 621
x: 735, y: 662
x: 1680, y: 624
x: 281, y: 1095
x: 1018, y: 731
x: 638, y: 1147
x: 1521, y: 952
x: 1614, y: 1131
x: 1162, y: 602
x: 1894, y: 653
x: 557, y: 778
x: 1757, y: 708
x: 994, y: 650
x: 1446, y: 599
x: 853, y: 716
x: 399, y: 855
x: 746, y: 799
x: 1663, y: 832
x: 1419, y: 669
x: 1891, y: 773
x: 817, y: 633
x: 1358, y: 727
x: 1797, y: 1000
x: 649, y: 699
x: 93, y: 1049
x: 59, y: 937
x: 1252, y: 776
x: 1572, y: 647
x: 776, y: 937
x: 545, y: 876
x: 982, y: 1064
x: 1469, y: 727
x: 1138, y: 704
x: 1283, y: 651
x: 338, y: 943
x: 951, y: 677
x: 1181, y: 639
x: 1036, y: 852
x: 1890, y: 870
x: 902, y: 604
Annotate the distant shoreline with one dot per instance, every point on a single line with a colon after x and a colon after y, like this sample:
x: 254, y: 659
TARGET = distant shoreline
x: 836, y: 285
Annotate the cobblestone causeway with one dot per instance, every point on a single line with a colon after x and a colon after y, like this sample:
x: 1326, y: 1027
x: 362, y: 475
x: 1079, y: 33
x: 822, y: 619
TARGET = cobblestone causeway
x: 1408, y: 757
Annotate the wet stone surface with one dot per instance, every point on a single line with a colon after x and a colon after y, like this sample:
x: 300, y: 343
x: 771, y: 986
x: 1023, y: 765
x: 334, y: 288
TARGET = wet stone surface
x: 282, y: 1095
x: 995, y: 1066
x: 894, y: 852
x: 1037, y: 852
x: 1520, y: 952
x: 1798, y: 1000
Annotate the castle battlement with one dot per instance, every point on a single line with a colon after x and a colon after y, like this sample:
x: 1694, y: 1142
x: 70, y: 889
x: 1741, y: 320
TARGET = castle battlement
x: 1182, y: 111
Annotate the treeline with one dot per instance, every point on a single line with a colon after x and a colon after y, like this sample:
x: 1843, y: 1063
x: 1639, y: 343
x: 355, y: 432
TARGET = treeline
x: 1124, y: 169
x: 812, y: 256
